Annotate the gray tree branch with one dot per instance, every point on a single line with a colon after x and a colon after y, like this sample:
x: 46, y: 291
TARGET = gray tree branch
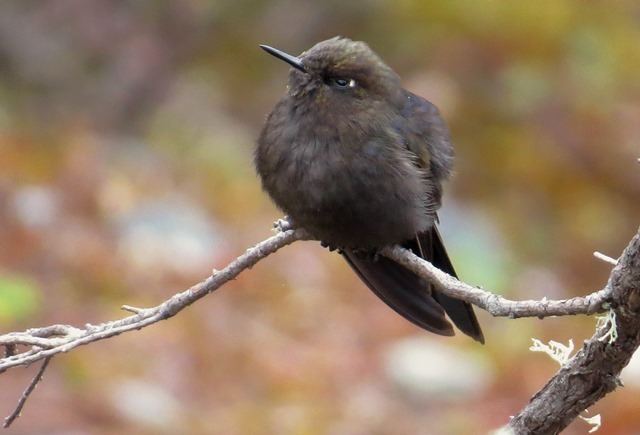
x: 52, y: 340
x: 24, y: 348
x: 594, y: 371
x: 495, y: 304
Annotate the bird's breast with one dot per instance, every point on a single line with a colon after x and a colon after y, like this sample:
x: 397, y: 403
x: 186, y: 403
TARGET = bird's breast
x: 363, y: 194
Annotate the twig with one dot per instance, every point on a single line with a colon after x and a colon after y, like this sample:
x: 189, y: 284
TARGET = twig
x: 600, y: 256
x: 26, y: 393
x: 494, y: 304
x: 135, y: 310
x: 56, y: 339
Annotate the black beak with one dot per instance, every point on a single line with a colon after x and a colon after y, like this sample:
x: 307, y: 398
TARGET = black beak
x: 291, y: 60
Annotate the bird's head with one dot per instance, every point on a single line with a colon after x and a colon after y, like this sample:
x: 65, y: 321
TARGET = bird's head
x: 340, y: 75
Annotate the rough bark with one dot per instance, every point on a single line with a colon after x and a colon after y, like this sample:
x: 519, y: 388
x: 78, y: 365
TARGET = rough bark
x: 594, y: 371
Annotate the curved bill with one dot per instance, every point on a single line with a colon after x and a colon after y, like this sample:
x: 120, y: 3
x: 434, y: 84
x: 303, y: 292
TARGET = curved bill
x: 291, y: 60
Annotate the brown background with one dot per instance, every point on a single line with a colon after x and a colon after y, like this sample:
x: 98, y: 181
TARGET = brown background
x: 126, y: 138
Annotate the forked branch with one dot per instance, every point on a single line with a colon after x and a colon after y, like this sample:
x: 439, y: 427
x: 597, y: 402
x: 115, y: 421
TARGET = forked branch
x: 24, y: 348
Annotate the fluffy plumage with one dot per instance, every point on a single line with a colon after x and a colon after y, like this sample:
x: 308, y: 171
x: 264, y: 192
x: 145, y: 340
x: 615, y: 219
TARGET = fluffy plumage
x: 359, y: 162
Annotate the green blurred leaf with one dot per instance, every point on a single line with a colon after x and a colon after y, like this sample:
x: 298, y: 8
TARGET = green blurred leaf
x: 18, y: 298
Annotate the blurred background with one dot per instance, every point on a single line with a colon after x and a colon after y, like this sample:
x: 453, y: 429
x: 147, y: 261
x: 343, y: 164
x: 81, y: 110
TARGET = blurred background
x: 126, y: 137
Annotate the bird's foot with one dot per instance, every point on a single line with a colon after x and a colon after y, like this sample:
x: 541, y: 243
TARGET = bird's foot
x: 283, y: 224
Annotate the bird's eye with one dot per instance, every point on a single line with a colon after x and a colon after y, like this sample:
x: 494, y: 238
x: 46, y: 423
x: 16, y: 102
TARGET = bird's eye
x: 339, y: 82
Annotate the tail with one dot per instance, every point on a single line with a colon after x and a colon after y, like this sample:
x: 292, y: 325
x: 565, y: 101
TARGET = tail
x: 411, y: 296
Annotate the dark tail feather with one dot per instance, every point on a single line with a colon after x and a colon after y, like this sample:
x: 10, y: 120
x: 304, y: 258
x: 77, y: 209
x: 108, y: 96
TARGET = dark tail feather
x: 460, y: 312
x: 411, y: 296
x: 402, y: 290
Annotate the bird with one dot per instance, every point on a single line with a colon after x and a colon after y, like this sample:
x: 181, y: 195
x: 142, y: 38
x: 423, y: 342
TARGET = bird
x: 358, y: 161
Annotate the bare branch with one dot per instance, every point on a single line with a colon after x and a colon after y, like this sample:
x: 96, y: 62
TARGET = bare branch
x: 27, y: 392
x: 494, y: 304
x: 589, y: 375
x: 51, y: 340
x: 593, y: 372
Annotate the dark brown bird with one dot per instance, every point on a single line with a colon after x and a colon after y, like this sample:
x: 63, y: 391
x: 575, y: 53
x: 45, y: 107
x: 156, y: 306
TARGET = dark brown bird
x: 359, y: 162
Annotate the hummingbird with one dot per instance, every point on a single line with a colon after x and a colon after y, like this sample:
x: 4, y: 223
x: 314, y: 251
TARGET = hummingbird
x: 358, y: 161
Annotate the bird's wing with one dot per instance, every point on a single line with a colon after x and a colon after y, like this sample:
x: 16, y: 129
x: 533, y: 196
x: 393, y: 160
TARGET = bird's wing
x: 427, y: 137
